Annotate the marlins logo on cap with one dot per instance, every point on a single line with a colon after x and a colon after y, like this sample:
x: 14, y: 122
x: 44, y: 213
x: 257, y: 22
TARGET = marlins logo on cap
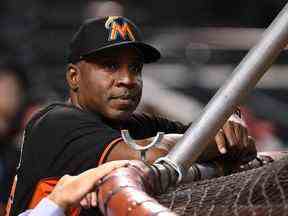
x: 103, y: 33
x: 119, y: 29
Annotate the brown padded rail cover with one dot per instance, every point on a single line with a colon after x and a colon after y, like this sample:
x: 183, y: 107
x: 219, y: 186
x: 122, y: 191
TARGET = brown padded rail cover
x: 125, y: 192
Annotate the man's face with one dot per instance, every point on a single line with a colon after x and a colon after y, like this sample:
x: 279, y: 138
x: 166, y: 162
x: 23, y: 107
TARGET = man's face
x: 111, y: 84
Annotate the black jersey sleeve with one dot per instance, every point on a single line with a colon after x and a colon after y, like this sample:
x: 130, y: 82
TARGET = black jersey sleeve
x: 68, y: 140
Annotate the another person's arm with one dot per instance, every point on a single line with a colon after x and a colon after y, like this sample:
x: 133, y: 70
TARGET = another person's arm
x: 71, y: 191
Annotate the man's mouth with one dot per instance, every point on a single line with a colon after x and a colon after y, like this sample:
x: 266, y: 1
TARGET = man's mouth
x: 124, y: 97
x: 124, y: 101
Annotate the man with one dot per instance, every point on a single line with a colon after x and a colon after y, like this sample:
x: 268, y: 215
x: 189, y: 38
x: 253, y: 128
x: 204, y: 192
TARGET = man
x: 74, y: 191
x: 105, y: 84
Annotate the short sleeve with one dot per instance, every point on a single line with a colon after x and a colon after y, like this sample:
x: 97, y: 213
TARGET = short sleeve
x: 69, y: 141
x: 45, y: 207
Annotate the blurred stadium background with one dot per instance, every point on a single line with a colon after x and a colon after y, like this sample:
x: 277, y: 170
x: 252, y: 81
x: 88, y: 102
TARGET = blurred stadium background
x: 201, y: 43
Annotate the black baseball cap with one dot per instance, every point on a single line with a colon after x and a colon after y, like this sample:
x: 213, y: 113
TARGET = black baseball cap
x: 99, y: 34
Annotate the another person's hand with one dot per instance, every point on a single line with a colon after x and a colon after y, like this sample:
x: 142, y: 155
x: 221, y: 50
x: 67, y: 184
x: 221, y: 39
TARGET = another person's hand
x: 78, y: 190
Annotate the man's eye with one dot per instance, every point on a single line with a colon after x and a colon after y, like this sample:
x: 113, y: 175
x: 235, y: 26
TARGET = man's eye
x: 136, y: 67
x: 111, y: 66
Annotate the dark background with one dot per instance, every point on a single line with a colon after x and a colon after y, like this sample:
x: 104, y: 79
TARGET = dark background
x: 37, y: 32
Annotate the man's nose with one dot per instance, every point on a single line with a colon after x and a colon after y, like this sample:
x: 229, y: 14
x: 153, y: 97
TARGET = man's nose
x: 127, y: 78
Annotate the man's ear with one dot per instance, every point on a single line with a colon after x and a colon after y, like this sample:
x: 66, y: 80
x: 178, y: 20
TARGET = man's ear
x: 73, y: 76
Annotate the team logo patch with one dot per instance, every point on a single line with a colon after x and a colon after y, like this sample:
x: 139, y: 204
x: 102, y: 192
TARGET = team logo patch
x: 119, y: 29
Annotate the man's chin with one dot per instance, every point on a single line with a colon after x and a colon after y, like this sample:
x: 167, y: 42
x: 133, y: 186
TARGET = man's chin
x: 120, y: 115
